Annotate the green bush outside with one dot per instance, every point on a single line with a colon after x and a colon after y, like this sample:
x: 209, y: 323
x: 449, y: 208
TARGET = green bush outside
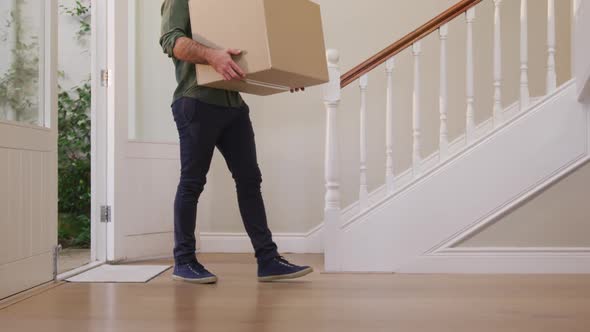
x: 74, y: 167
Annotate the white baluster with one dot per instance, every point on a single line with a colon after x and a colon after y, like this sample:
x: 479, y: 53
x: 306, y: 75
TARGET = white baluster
x: 332, y: 170
x: 389, y: 176
x: 524, y: 56
x: 416, y: 155
x: 363, y: 191
x: 443, y: 95
x: 498, y: 109
x: 551, y: 74
x: 470, y: 118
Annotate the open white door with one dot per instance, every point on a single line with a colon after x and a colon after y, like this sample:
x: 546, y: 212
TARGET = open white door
x: 142, y: 174
x: 28, y: 146
x: 98, y: 134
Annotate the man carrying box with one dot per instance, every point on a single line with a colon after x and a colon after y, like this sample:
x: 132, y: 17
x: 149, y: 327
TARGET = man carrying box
x: 207, y: 118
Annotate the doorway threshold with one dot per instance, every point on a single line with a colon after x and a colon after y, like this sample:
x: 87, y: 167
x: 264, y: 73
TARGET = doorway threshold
x: 76, y: 271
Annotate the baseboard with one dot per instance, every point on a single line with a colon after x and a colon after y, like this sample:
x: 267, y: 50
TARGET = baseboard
x: 298, y: 243
x: 504, y: 261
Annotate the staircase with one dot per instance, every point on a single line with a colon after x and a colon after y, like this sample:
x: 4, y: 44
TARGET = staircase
x: 413, y: 222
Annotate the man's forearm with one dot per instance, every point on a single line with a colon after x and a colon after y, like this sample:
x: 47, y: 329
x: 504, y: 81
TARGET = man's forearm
x: 191, y: 51
x: 188, y: 50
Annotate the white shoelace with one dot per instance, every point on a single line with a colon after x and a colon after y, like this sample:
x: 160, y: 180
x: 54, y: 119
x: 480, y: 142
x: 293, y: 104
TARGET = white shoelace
x: 191, y: 268
x: 285, y: 263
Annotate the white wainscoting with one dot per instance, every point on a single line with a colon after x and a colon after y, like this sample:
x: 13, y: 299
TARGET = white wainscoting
x: 28, y: 206
x: 152, y: 171
x: 146, y: 210
x: 300, y: 243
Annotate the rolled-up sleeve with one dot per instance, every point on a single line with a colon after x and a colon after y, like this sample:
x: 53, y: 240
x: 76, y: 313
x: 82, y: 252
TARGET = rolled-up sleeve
x: 175, y: 24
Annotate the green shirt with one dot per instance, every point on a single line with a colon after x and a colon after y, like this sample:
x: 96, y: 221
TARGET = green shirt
x: 175, y: 24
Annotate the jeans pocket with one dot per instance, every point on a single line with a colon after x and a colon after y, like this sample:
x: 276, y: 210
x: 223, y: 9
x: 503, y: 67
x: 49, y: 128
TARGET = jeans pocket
x: 183, y: 111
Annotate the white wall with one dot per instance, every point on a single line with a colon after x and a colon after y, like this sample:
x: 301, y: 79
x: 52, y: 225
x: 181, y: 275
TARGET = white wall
x: 290, y: 128
x: 73, y: 55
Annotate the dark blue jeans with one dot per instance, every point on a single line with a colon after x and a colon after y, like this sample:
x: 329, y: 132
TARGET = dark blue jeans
x: 201, y: 128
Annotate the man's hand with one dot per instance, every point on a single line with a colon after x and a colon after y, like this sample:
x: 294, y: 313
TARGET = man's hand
x: 191, y: 51
x: 297, y: 90
x: 223, y: 63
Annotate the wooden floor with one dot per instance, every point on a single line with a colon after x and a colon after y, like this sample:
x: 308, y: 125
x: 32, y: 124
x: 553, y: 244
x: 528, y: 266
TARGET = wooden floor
x: 321, y: 302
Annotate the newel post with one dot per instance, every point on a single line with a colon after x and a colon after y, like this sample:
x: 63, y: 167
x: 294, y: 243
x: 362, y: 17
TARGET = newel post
x: 332, y: 211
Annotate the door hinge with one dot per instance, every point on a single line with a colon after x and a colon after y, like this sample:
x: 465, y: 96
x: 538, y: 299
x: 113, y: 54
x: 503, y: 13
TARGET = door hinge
x: 105, y: 78
x: 105, y: 213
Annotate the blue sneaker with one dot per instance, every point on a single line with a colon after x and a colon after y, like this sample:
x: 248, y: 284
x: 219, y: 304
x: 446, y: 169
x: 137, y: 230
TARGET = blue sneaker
x: 279, y: 268
x: 193, y: 272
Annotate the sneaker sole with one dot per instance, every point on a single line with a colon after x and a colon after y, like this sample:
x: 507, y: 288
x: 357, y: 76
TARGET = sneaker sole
x: 287, y: 276
x: 210, y: 280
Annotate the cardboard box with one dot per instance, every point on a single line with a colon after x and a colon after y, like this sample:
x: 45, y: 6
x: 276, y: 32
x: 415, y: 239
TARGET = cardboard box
x: 282, y: 43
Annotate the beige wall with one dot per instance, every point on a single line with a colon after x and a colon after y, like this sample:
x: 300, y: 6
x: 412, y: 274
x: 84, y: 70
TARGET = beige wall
x: 290, y: 128
x: 559, y: 217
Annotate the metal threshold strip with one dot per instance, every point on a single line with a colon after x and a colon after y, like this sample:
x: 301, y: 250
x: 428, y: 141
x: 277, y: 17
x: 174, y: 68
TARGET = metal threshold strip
x: 76, y: 271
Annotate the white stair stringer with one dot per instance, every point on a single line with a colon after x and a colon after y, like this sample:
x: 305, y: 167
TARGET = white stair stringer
x: 469, y: 190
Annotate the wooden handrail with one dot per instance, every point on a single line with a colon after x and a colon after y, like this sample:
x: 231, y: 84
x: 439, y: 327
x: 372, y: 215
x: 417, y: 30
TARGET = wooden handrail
x: 407, y: 41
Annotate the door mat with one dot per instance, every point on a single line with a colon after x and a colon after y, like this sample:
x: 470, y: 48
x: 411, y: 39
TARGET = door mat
x: 120, y: 273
